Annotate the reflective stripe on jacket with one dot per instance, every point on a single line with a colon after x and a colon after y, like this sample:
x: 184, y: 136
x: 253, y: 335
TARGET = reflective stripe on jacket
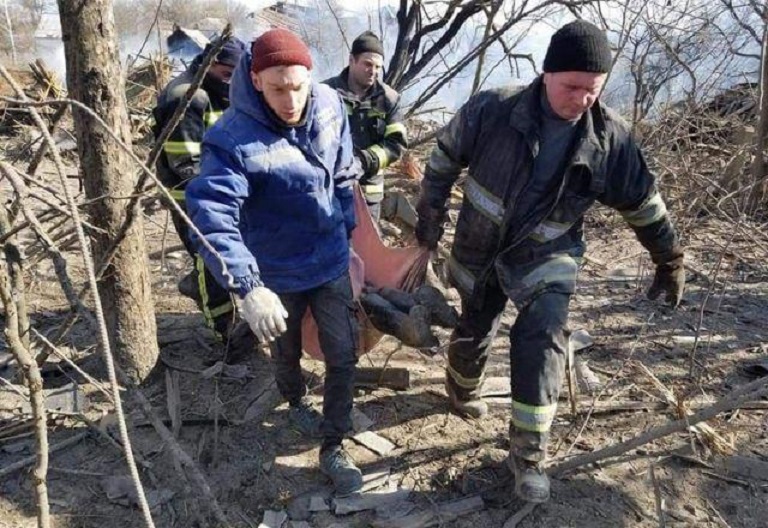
x: 179, y: 160
x: 533, y: 245
x: 375, y: 120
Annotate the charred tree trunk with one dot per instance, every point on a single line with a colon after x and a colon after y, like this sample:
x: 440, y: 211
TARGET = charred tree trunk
x: 94, y: 78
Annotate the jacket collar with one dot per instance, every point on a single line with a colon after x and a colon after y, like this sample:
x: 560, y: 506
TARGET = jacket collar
x: 343, y: 86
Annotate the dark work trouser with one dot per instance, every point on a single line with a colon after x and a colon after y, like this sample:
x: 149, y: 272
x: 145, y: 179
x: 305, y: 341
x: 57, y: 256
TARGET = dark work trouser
x: 373, y: 190
x: 333, y: 309
x: 538, y: 348
x: 213, y: 301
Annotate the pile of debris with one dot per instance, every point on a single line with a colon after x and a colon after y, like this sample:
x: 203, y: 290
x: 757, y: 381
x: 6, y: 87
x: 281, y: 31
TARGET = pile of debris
x: 38, y: 83
x: 143, y: 82
x: 703, y: 153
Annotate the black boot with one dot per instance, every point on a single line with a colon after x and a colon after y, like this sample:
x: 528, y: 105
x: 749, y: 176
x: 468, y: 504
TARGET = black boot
x: 412, y: 328
x: 440, y: 312
x: 188, y: 286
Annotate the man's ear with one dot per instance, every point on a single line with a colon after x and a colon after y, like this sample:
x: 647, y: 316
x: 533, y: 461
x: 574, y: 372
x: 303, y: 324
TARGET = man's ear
x: 256, y: 80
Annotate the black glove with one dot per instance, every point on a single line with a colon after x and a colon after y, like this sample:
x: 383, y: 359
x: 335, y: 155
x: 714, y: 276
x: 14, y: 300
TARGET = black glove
x: 429, y: 228
x: 669, y: 278
x: 368, y: 162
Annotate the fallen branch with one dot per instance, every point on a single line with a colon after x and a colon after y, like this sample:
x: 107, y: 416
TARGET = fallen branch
x: 751, y: 391
x: 712, y: 284
x: 58, y: 353
x: 658, y: 499
x: 41, y: 152
x: 714, y: 440
x: 181, y: 456
x: 59, y: 262
x: 599, y: 395
x: 519, y: 515
x: 24, y: 462
x: 437, y: 516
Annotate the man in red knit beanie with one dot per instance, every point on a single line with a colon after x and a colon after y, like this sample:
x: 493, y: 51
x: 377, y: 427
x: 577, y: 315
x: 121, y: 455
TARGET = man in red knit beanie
x: 274, y: 200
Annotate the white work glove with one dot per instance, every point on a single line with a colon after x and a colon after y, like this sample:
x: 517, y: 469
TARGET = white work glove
x: 264, y: 312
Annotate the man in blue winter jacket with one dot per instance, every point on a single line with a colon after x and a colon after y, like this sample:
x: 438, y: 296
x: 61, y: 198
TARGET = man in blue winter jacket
x: 274, y: 199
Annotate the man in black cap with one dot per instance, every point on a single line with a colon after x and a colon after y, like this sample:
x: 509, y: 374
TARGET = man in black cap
x: 179, y: 162
x: 373, y: 108
x: 537, y: 159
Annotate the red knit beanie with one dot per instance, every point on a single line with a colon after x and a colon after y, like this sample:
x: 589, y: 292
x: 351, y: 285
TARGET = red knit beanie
x: 279, y: 47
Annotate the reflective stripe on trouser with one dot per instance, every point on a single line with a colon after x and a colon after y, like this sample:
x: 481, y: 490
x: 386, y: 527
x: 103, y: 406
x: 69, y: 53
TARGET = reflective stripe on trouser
x: 470, y: 343
x: 538, y: 345
x: 210, y: 117
x: 373, y: 190
x: 182, y: 148
x: 177, y: 194
x: 215, y: 302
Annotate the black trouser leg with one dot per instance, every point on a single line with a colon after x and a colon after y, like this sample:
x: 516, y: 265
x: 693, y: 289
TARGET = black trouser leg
x: 466, y: 356
x: 539, y: 344
x: 286, y: 349
x: 333, y: 309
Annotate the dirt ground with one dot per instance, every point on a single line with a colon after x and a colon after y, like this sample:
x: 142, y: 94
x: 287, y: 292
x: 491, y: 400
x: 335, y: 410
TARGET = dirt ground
x: 254, y: 466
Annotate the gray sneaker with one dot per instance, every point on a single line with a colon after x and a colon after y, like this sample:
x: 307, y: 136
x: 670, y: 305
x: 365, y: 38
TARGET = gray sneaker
x: 305, y: 418
x: 336, y: 464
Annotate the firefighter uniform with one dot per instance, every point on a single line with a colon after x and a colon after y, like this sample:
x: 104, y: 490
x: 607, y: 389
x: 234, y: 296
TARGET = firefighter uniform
x: 179, y: 162
x: 512, y: 243
x: 379, y: 136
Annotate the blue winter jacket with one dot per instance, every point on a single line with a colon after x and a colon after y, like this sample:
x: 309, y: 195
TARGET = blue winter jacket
x: 275, y: 201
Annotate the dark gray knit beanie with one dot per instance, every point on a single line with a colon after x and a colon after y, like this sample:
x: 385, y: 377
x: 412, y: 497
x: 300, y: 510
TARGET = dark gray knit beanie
x: 578, y: 46
x: 367, y: 42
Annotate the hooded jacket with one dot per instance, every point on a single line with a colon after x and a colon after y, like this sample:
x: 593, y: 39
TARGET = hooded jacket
x: 275, y: 201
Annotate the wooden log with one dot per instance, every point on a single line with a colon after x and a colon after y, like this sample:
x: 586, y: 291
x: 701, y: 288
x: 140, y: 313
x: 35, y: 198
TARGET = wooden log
x: 376, y: 443
x: 52, y: 449
x: 368, y: 501
x: 442, y: 513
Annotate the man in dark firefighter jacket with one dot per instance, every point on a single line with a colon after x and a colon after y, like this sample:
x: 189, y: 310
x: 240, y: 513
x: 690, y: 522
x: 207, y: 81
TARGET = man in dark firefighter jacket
x: 373, y: 109
x: 180, y: 159
x: 537, y: 159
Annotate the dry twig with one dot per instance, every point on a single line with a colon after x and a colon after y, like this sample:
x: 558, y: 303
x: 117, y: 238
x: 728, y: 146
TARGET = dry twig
x: 751, y: 391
